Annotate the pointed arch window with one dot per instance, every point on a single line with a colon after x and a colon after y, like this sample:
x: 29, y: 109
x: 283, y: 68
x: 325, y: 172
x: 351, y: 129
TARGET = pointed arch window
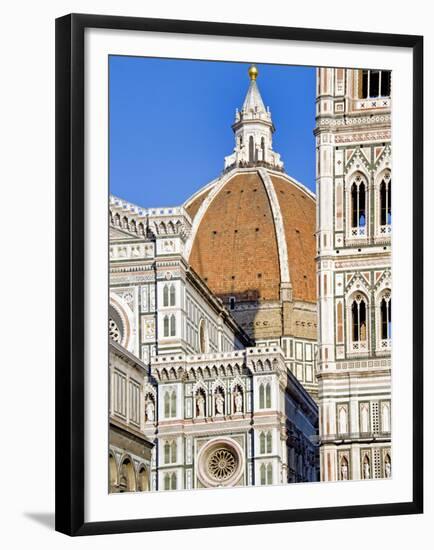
x: 166, y: 325
x: 170, y: 482
x: 266, y: 474
x: 358, y: 208
x: 167, y: 453
x: 167, y: 405
x: 265, y: 443
x: 269, y: 474
x: 173, y: 404
x: 262, y: 443
x: 172, y: 295
x: 261, y: 397
x: 172, y: 325
x: 165, y: 296
x: 170, y: 452
x: 343, y: 420
x: 358, y: 313
x: 269, y: 442
x: 359, y: 326
x: 251, y: 150
x: 170, y: 404
x: 265, y: 396
x: 385, y: 203
x: 385, y: 417
x: 268, y: 395
x: 263, y: 149
x: 386, y: 317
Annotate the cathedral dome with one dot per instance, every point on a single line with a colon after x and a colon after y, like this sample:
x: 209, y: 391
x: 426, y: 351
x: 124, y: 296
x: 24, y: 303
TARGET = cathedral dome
x: 253, y: 236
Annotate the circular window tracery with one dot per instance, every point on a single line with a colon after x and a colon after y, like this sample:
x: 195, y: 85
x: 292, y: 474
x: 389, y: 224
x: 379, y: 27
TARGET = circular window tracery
x: 114, y: 331
x: 222, y: 463
x: 116, y: 326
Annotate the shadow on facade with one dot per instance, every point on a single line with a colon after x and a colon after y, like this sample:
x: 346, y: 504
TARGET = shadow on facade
x: 244, y: 307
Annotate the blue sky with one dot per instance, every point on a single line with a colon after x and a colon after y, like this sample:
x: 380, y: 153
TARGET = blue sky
x: 170, y: 123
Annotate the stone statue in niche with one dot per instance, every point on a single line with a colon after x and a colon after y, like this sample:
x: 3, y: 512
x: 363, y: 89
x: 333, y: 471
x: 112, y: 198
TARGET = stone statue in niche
x: 366, y: 469
x: 219, y: 403
x: 150, y: 410
x: 200, y: 404
x: 388, y: 468
x: 344, y: 470
x: 238, y: 402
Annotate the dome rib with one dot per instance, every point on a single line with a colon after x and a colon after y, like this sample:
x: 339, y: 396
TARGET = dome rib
x: 278, y: 226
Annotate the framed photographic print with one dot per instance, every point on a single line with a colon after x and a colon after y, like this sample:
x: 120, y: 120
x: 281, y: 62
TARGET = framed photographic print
x: 225, y: 251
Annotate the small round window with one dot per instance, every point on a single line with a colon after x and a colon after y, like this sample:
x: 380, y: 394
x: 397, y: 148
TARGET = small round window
x: 115, y: 326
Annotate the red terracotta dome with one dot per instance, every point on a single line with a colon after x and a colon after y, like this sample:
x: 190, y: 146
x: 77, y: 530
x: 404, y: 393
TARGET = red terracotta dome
x: 254, y: 231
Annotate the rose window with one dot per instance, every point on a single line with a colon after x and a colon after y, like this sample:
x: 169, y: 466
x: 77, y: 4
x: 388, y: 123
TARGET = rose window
x: 222, y: 464
x: 114, y: 332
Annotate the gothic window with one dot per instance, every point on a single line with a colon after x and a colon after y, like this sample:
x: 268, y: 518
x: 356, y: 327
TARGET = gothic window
x: 385, y: 417
x: 172, y: 295
x: 358, y: 318
x: 173, y: 404
x: 266, y: 474
x: 265, y: 396
x: 263, y: 471
x: 265, y: 442
x: 269, y: 442
x: 170, y: 452
x: 170, y: 482
x: 375, y: 83
x: 262, y: 443
x: 364, y: 418
x: 251, y: 150
x: 386, y: 201
x: 386, y: 317
x: 170, y: 404
x: 343, y: 420
x: 172, y: 325
x: 358, y: 207
x: 166, y: 325
x: 269, y: 474
x: 165, y: 296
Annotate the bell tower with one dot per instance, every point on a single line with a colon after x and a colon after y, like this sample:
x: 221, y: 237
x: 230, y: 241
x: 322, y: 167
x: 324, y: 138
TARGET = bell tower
x: 354, y: 232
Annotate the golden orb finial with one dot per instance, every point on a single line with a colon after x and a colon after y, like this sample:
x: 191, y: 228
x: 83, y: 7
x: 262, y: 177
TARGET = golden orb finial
x: 253, y: 72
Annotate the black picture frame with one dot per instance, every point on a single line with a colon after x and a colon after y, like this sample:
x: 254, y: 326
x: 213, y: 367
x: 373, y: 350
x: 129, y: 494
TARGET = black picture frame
x: 70, y: 263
